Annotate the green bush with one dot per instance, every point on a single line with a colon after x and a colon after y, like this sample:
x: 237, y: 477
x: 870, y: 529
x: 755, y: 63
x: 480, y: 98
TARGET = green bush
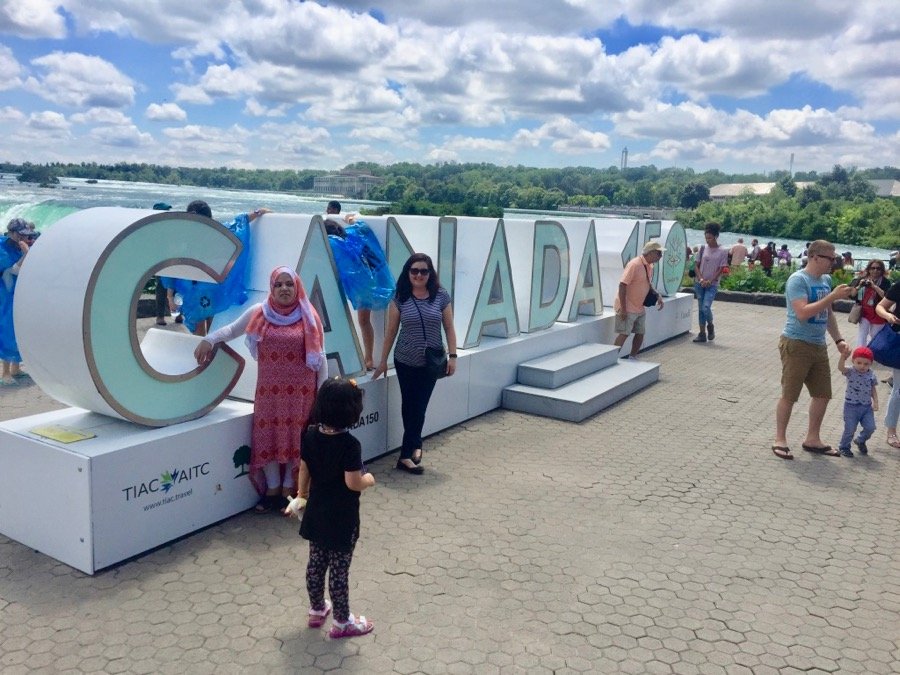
x: 755, y: 281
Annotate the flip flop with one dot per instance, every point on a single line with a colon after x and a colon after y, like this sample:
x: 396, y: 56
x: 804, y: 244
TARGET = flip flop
x: 823, y: 450
x: 782, y: 451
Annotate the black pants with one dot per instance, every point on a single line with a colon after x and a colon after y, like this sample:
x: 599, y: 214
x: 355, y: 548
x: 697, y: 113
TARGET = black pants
x: 162, y: 302
x: 337, y: 564
x: 416, y: 386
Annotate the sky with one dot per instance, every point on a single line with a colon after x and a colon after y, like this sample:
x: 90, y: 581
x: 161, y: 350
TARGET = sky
x: 736, y: 85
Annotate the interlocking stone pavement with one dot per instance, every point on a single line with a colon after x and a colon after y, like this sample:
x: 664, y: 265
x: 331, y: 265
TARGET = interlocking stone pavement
x: 659, y: 536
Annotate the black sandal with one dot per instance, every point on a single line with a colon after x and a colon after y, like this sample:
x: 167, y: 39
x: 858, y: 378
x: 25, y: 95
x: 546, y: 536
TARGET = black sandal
x: 417, y: 457
x: 266, y: 503
x: 414, y: 469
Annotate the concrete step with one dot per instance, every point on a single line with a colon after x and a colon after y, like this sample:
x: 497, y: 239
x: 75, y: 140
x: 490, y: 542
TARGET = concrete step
x: 561, y: 368
x: 582, y: 398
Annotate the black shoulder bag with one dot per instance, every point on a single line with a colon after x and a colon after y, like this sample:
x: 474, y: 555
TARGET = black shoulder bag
x: 435, y: 357
x: 652, y: 298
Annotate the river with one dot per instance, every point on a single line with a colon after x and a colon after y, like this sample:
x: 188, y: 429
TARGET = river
x: 44, y: 206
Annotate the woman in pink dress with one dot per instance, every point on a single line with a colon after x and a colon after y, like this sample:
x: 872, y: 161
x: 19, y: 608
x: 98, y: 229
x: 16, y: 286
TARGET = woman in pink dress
x: 285, y: 336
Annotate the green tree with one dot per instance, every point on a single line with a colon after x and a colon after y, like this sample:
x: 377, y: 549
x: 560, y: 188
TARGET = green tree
x: 36, y: 173
x: 692, y: 195
x: 788, y: 186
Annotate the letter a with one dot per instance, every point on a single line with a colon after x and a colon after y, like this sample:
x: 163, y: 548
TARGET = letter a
x: 495, y: 312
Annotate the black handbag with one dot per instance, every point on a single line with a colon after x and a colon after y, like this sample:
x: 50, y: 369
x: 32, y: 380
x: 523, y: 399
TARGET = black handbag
x: 435, y: 357
x: 436, y: 362
x: 652, y: 298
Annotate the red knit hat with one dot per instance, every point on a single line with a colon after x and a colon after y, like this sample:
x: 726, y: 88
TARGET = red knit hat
x: 863, y: 353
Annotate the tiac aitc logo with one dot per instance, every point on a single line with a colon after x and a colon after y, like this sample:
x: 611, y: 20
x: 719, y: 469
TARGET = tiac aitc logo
x: 166, y: 481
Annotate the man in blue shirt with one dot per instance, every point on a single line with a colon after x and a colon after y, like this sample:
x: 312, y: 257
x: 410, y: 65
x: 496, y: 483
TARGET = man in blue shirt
x: 804, y: 354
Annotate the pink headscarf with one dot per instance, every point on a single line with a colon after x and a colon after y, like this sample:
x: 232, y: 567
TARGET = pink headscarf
x: 301, y: 309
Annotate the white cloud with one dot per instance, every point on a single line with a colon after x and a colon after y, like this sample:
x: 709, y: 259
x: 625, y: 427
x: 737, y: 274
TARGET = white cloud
x: 255, y: 109
x: 79, y: 80
x: 48, y: 121
x: 461, y: 145
x: 186, y: 93
x: 193, y: 140
x: 441, y: 81
x: 793, y: 20
x: 565, y: 137
x: 10, y: 114
x: 686, y: 151
x: 32, y: 19
x: 438, y: 155
x: 720, y: 66
x: 121, y: 136
x: 168, y: 112
x: 10, y: 69
x: 382, y: 134
x: 101, y: 116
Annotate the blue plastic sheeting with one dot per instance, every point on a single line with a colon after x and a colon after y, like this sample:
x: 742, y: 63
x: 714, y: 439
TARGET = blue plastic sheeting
x: 202, y: 300
x: 362, y: 267
x: 10, y: 254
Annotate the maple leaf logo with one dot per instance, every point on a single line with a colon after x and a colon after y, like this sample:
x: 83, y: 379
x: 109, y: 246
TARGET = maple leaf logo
x: 167, y: 480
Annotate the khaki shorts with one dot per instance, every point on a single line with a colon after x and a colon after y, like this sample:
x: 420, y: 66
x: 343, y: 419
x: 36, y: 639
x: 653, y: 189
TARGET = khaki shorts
x: 632, y: 323
x: 804, y: 363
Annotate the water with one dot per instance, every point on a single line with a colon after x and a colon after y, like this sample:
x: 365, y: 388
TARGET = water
x: 44, y: 206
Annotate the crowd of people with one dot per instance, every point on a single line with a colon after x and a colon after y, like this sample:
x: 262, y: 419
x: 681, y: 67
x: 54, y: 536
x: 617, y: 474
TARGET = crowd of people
x: 769, y: 256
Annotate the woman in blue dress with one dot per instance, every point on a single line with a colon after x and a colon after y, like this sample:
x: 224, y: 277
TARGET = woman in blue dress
x: 13, y: 249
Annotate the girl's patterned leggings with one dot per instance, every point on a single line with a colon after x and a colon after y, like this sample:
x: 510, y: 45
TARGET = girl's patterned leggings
x: 322, y: 559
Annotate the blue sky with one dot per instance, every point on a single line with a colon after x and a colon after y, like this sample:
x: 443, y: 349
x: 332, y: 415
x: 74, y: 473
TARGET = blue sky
x: 737, y: 86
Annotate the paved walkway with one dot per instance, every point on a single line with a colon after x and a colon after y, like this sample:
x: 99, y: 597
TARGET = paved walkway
x: 660, y: 536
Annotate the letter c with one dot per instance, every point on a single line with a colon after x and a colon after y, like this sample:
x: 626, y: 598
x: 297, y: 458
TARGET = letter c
x: 76, y: 306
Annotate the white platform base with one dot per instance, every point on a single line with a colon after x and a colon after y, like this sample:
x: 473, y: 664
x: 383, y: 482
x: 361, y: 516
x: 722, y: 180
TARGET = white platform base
x: 96, y: 502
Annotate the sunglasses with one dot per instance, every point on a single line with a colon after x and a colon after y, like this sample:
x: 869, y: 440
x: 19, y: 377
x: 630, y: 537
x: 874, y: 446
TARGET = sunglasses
x: 876, y: 269
x: 423, y: 271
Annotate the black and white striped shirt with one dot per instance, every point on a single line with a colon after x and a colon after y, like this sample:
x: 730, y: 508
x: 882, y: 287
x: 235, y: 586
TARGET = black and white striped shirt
x: 411, y: 342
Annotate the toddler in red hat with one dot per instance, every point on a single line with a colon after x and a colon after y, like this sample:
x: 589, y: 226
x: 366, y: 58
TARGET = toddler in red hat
x: 860, y: 401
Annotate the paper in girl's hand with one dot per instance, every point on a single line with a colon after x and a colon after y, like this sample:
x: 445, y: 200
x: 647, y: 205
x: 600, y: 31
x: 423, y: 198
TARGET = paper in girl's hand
x: 292, y: 510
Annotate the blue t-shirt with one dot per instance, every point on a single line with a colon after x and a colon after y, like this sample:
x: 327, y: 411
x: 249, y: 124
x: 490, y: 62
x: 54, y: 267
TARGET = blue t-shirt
x: 860, y: 386
x: 803, y: 285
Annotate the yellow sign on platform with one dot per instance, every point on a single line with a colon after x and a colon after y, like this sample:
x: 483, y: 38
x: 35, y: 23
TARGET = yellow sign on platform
x: 62, y: 434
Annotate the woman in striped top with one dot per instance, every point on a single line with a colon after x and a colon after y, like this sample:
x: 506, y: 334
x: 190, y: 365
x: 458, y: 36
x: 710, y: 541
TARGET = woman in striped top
x: 418, y: 311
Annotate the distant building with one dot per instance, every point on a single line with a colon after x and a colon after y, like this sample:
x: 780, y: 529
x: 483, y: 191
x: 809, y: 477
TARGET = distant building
x: 725, y: 191
x: 355, y: 184
x: 886, y: 187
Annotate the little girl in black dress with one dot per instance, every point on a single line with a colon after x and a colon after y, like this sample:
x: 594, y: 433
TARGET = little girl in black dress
x: 331, y: 469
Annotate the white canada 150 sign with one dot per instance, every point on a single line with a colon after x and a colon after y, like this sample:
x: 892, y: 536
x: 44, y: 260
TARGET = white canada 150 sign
x: 76, y: 299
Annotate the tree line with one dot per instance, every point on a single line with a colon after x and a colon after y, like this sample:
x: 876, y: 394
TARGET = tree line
x: 839, y: 205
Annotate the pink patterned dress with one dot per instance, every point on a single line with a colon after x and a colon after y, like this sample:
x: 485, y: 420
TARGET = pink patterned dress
x: 285, y: 391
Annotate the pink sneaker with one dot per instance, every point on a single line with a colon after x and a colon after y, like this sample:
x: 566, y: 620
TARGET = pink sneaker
x: 353, y: 628
x: 317, y: 616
